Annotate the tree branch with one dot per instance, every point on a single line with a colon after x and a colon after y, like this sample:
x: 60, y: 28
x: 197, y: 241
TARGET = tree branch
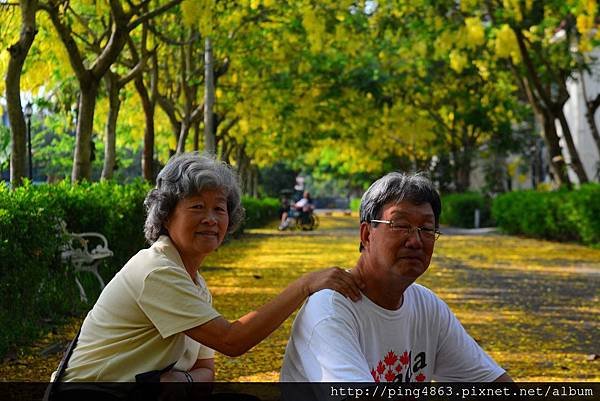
x: 116, y: 42
x: 92, y: 46
x: 197, y: 114
x: 594, y: 104
x: 543, y: 97
x: 148, y: 15
x: 133, y: 73
x: 64, y: 33
x: 85, y: 24
x: 169, y: 109
x: 229, y: 126
x: 554, y: 77
x: 174, y: 42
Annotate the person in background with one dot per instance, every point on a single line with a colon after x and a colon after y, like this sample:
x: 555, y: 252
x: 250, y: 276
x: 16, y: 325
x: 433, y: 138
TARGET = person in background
x: 305, y: 204
x: 284, y: 212
x: 302, y: 207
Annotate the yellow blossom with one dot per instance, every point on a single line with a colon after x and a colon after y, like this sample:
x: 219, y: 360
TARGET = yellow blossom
x: 458, y: 60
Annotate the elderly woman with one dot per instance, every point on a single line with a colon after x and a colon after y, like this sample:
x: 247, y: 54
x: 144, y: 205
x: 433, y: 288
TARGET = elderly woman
x: 154, y: 320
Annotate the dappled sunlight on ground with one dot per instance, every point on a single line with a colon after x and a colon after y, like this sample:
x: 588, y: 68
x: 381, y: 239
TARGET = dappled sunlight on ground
x: 523, y: 254
x: 272, y: 376
x: 533, y: 305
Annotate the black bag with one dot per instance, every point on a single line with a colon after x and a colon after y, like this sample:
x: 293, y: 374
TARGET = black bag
x: 62, y: 366
x: 152, y: 376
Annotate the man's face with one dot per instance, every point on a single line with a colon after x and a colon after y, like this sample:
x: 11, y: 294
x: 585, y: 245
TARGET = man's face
x: 394, y: 255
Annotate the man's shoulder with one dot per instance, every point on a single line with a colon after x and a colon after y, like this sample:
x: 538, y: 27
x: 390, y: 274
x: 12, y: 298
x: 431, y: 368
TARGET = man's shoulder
x: 326, y: 304
x: 419, y: 290
x: 425, y: 300
x: 333, y: 300
x: 327, y: 297
x: 325, y: 312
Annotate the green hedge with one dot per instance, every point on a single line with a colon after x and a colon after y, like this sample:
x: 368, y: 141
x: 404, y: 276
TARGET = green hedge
x: 34, y: 285
x: 560, y: 215
x: 458, y: 210
x: 259, y: 211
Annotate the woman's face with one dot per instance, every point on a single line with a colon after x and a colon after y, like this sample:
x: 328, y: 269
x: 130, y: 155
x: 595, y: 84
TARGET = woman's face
x: 198, y: 224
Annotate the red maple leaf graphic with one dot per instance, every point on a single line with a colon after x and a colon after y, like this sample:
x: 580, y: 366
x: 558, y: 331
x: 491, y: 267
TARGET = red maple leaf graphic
x: 404, y: 359
x: 390, y: 359
x: 374, y: 374
x: 399, y: 368
x: 390, y: 376
x: 380, y: 368
x: 420, y: 377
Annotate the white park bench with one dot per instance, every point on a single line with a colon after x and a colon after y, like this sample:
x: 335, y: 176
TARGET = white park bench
x: 85, y: 251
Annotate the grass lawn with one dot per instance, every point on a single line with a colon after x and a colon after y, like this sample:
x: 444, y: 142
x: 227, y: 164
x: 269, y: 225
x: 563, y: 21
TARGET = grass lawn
x: 533, y: 305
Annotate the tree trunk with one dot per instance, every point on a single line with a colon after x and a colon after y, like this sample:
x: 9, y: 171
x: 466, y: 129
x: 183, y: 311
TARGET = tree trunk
x: 591, y: 106
x: 546, y: 122
x: 576, y: 164
x: 210, y: 143
x: 114, y: 84
x: 254, y: 182
x: 226, y: 149
x: 82, y: 162
x: 184, y: 131
x: 455, y: 158
x: 464, y: 179
x: 589, y: 115
x: 552, y: 106
x: 243, y: 165
x: 557, y: 161
x: 541, y: 101
x: 148, y: 153
x: 112, y: 87
x: 463, y: 170
x: 223, y: 139
x: 18, y: 53
x: 468, y: 149
x: 197, y: 136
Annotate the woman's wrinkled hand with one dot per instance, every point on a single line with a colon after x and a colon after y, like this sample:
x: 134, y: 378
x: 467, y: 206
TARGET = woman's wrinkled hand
x: 336, y: 279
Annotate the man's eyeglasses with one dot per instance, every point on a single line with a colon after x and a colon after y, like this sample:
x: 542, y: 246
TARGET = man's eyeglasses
x: 425, y: 233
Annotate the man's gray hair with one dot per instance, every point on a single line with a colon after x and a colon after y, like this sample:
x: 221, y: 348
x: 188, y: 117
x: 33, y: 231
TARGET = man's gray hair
x: 185, y: 175
x: 396, y: 187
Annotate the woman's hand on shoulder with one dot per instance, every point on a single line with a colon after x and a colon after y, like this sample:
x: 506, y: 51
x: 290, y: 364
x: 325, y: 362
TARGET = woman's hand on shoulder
x: 336, y: 279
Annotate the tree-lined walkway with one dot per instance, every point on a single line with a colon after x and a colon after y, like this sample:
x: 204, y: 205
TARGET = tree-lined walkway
x: 533, y: 305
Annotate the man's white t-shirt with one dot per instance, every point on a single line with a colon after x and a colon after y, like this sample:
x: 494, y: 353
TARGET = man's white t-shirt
x: 336, y: 340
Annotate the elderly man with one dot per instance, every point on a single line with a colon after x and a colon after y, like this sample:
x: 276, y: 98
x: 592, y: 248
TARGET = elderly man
x: 399, y: 330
